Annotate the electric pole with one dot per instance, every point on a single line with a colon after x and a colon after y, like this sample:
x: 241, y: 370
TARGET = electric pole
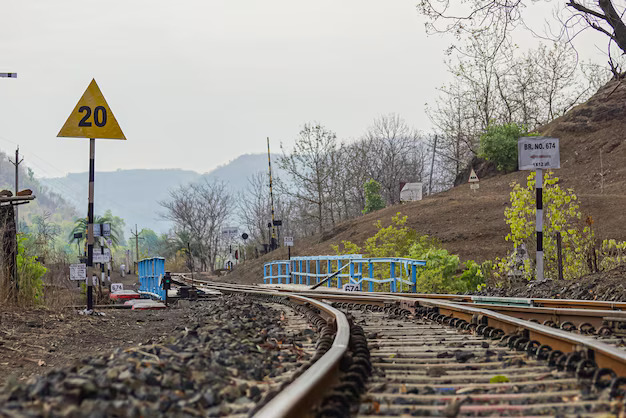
x: 135, y: 234
x: 17, y: 163
x: 432, y: 168
x: 273, y: 240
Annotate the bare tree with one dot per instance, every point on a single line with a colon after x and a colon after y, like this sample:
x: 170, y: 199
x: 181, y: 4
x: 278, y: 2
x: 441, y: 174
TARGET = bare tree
x: 500, y: 17
x: 253, y: 208
x: 200, y: 210
x: 399, y: 155
x: 309, y: 167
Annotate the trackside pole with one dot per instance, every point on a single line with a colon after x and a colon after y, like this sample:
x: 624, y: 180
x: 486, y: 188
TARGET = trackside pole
x: 90, y: 237
x: 539, y: 222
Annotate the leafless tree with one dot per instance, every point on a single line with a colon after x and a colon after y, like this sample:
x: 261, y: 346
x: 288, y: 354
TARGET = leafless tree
x: 253, y: 208
x: 309, y: 168
x: 500, y: 17
x: 200, y: 209
x: 529, y: 89
x: 399, y: 155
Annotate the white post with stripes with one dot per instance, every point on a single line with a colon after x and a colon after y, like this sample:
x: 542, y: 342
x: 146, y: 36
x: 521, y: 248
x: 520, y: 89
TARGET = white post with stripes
x: 539, y: 222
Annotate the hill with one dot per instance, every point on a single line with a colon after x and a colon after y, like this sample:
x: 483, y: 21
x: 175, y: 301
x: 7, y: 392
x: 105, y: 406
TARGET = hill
x: 471, y: 223
x: 134, y: 194
x: 47, y: 200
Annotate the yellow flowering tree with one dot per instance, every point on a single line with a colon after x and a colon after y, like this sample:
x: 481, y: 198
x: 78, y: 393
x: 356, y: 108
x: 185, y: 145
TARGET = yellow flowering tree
x: 561, y: 214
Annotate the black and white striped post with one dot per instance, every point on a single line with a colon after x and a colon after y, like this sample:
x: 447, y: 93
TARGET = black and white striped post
x: 91, y: 118
x: 90, y: 237
x: 538, y: 153
x: 539, y: 221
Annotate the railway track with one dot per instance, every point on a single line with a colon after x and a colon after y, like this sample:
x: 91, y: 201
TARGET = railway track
x: 432, y: 356
x: 421, y: 368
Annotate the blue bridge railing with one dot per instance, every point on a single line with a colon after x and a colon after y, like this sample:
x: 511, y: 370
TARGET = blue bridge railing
x: 371, y: 274
x: 151, y: 271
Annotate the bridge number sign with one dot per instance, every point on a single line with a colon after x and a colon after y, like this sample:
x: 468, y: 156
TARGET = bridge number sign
x: 538, y: 152
x: 351, y: 287
x: 92, y: 117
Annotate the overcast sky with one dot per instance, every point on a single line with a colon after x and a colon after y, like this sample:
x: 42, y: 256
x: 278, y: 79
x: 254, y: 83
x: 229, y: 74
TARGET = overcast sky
x: 194, y: 84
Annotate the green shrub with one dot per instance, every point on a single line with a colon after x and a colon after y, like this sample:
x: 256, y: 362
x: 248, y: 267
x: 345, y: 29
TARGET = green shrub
x: 499, y: 145
x: 373, y: 199
x: 561, y: 214
x: 30, y: 273
x: 439, y: 275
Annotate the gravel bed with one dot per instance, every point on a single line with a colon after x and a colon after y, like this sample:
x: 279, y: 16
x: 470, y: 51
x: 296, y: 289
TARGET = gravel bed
x: 221, y: 362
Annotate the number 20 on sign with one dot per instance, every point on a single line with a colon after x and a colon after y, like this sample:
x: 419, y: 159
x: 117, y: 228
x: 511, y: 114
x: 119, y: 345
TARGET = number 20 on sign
x: 92, y: 117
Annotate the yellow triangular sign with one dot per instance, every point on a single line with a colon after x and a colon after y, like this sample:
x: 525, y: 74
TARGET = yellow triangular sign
x: 473, y: 178
x: 92, y: 118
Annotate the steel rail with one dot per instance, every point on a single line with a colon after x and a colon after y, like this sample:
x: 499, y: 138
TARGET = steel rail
x: 318, y: 378
x: 536, y: 302
x: 595, y: 317
x: 556, y: 310
x: 306, y: 390
x: 603, y: 354
x: 596, y: 313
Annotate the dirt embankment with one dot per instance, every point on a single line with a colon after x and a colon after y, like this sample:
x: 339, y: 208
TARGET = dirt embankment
x: 606, y: 285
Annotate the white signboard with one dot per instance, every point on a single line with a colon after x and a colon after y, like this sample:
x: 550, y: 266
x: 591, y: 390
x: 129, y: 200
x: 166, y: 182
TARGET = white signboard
x: 78, y: 271
x: 102, y: 230
x: 474, y: 186
x: 99, y: 257
x: 473, y: 178
x: 116, y: 287
x: 351, y: 287
x: 230, y: 232
x: 411, y: 192
x: 288, y: 242
x: 535, y: 152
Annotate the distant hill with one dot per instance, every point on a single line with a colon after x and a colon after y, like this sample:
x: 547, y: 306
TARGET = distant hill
x: 46, y: 200
x: 134, y: 194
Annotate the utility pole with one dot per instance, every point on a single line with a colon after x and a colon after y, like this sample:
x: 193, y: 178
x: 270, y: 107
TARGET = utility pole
x: 135, y: 234
x: 432, y: 168
x: 17, y: 163
x: 273, y: 240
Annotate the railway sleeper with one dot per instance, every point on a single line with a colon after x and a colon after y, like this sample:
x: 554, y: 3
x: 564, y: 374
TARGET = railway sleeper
x: 409, y: 389
x: 576, y: 361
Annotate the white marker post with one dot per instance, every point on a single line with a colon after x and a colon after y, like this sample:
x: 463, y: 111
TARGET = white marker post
x: 288, y: 242
x: 537, y: 153
x: 473, y: 180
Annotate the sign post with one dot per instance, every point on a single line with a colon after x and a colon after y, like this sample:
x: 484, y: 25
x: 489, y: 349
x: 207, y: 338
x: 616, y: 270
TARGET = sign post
x: 473, y: 180
x: 537, y: 153
x: 288, y: 242
x: 91, y: 118
x: 78, y: 271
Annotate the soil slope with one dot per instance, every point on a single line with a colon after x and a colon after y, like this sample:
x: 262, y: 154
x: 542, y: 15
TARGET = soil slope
x: 471, y: 223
